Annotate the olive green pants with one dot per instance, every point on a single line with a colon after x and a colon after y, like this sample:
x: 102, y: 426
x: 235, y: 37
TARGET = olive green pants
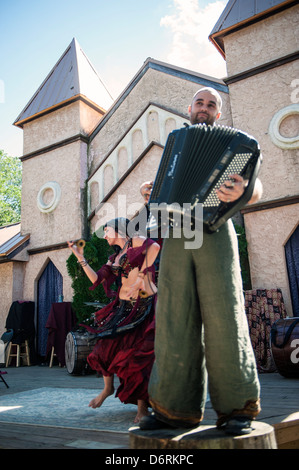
x: 201, y: 328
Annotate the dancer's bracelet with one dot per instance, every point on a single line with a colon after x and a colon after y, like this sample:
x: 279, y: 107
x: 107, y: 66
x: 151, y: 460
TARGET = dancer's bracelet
x: 83, y: 262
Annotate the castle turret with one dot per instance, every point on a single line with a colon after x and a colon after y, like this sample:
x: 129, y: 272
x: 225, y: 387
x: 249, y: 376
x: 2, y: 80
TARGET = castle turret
x: 56, y: 124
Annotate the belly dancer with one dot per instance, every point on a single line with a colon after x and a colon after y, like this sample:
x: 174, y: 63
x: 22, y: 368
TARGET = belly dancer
x: 125, y: 326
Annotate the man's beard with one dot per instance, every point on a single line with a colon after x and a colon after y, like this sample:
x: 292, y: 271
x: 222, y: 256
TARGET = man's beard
x: 202, y: 119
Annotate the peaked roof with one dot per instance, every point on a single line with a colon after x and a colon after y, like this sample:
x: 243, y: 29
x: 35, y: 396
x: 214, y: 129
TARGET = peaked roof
x: 11, y: 241
x: 240, y: 13
x: 73, y: 76
x: 163, y: 67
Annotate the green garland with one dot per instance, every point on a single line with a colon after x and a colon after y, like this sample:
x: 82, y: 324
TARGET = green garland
x: 96, y: 252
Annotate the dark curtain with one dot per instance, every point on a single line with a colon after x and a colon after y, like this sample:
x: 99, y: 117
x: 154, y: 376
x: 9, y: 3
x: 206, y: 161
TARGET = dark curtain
x: 50, y: 286
x: 292, y: 258
x: 20, y: 319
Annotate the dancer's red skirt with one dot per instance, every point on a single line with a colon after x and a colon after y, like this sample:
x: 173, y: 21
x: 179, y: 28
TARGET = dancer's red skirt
x: 130, y: 356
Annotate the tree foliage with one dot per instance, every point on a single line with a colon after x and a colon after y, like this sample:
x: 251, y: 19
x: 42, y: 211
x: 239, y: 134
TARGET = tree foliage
x: 10, y: 189
x: 96, y: 252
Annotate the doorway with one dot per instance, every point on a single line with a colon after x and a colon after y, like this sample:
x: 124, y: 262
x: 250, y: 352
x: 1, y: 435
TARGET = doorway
x: 292, y: 259
x: 50, y: 287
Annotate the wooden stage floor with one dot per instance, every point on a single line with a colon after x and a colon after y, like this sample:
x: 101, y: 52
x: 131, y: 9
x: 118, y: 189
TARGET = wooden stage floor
x: 279, y: 401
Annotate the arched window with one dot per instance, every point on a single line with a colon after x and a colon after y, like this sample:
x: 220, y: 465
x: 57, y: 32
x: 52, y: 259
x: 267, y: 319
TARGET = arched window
x: 170, y: 125
x: 94, y: 195
x: 153, y: 130
x: 108, y: 179
x: 137, y: 144
x: 122, y: 162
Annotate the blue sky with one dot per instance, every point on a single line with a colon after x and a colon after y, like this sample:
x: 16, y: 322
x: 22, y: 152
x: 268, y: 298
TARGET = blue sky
x: 116, y: 35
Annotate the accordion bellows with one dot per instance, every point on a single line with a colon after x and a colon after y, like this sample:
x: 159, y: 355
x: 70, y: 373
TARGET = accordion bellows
x: 196, y: 160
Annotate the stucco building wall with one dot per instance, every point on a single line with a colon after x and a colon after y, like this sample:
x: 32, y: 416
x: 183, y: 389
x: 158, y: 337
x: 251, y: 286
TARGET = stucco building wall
x: 168, y: 91
x: 255, y: 99
x: 66, y: 166
x: 156, y: 106
x: 254, y: 102
x: 127, y: 200
x: 267, y: 40
x: 59, y: 125
x: 267, y: 233
x: 11, y: 288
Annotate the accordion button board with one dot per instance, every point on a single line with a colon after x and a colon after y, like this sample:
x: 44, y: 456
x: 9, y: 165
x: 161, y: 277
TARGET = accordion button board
x: 196, y: 160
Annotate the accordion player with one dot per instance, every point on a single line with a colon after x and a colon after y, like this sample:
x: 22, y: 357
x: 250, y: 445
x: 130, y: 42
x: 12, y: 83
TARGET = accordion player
x: 196, y: 161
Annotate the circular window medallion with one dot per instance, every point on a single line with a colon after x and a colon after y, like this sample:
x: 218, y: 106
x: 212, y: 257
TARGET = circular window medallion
x: 53, y: 196
x: 274, y: 128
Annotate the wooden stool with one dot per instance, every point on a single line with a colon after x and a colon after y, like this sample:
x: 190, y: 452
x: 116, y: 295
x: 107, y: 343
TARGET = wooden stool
x: 52, y: 356
x: 203, y: 437
x: 19, y: 354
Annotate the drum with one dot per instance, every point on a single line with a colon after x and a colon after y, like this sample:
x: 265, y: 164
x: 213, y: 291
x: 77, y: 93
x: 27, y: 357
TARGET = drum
x: 78, y: 345
x: 285, y: 346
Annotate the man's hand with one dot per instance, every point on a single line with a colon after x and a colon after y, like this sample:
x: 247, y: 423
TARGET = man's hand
x: 232, y: 189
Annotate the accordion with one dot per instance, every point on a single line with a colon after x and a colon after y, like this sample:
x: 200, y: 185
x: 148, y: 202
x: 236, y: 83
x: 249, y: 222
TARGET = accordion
x: 196, y: 160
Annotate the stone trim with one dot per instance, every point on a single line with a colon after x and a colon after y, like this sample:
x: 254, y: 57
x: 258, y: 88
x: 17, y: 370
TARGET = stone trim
x: 277, y: 139
x: 52, y: 147
x: 261, y: 68
x: 51, y: 206
x: 266, y: 205
x: 59, y: 106
x: 43, y: 249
